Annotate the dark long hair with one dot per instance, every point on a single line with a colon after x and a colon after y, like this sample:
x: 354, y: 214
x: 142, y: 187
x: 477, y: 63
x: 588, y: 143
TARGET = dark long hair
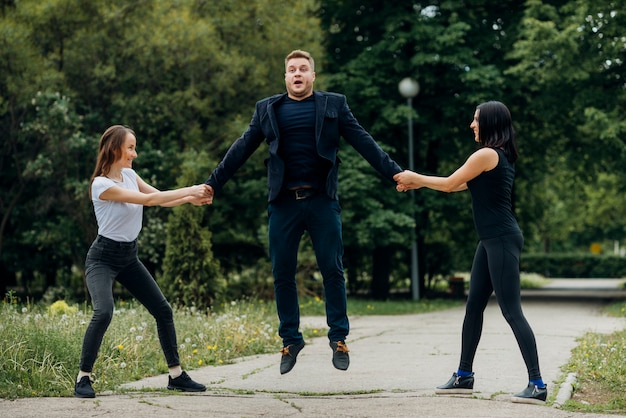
x: 495, y: 128
x: 109, y: 150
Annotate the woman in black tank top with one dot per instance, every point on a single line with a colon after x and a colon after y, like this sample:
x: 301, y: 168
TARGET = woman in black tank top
x: 489, y: 173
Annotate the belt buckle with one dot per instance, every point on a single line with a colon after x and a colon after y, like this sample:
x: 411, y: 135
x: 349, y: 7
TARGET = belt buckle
x: 301, y: 194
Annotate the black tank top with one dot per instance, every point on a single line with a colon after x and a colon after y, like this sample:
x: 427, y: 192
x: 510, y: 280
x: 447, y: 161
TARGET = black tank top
x: 491, y: 200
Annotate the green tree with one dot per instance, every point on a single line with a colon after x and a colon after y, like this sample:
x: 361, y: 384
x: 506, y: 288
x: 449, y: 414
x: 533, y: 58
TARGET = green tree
x: 54, y: 223
x: 186, y: 74
x: 191, y: 275
x: 457, y: 54
x: 180, y: 73
x: 569, y: 63
x: 22, y: 74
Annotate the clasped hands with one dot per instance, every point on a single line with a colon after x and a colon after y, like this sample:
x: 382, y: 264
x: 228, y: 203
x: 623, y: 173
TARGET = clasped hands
x: 201, y: 194
x: 407, y: 180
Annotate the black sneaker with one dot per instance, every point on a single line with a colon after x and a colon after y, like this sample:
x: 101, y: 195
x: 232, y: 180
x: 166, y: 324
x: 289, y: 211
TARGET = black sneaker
x: 83, y: 389
x: 184, y: 383
x: 533, y: 394
x: 341, y: 358
x: 457, y: 385
x: 290, y: 353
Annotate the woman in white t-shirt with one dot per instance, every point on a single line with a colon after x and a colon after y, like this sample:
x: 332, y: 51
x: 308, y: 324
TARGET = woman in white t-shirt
x: 118, y: 196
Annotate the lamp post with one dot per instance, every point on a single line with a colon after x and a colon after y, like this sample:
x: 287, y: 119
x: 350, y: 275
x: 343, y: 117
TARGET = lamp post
x: 409, y: 88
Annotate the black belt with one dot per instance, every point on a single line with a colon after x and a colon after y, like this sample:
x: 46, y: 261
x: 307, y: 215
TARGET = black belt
x: 300, y: 194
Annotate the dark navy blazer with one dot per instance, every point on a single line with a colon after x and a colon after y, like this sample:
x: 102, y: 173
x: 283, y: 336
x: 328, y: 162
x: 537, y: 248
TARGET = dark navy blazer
x: 333, y: 119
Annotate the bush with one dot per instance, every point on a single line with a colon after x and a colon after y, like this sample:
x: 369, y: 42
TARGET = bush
x: 574, y: 265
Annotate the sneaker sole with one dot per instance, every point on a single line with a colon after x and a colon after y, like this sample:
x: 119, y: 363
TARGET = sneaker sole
x: 530, y: 401
x: 341, y: 367
x: 186, y: 389
x: 454, y: 391
x: 76, y: 395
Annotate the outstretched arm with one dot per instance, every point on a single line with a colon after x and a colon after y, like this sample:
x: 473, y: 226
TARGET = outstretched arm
x: 362, y: 141
x: 408, y: 180
x: 239, y: 151
x: 484, y: 159
x: 150, y: 196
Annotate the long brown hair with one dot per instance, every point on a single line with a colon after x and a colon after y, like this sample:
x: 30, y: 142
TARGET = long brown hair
x: 109, y: 150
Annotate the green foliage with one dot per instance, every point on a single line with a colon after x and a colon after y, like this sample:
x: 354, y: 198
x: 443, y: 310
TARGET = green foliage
x: 357, y: 306
x: 38, y: 352
x: 532, y: 281
x: 551, y: 62
x: 617, y: 309
x: 598, y: 362
x: 41, y: 345
x: 58, y: 223
x: 568, y: 58
x: 41, y: 350
x: 191, y: 276
x: 604, y: 202
x: 179, y: 73
x: 369, y: 220
x: 575, y: 265
x: 186, y: 74
x: 456, y: 55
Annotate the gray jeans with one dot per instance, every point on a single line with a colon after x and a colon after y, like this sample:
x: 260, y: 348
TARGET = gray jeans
x: 108, y: 261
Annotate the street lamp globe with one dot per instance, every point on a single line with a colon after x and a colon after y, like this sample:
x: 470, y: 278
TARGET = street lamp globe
x: 408, y: 88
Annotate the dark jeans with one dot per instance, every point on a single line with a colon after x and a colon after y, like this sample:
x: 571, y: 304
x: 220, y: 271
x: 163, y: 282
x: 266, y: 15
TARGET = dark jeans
x: 496, y: 269
x: 107, y: 261
x: 321, y: 217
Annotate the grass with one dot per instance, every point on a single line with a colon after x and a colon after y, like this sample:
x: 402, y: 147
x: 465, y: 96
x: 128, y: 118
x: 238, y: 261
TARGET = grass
x: 357, y: 307
x: 532, y: 281
x: 40, y: 345
x: 527, y: 281
x: 599, y: 362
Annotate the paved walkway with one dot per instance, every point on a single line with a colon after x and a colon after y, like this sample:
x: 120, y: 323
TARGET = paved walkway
x: 396, y: 361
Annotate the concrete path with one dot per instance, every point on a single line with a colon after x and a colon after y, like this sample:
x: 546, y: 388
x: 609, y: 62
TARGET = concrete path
x: 396, y: 361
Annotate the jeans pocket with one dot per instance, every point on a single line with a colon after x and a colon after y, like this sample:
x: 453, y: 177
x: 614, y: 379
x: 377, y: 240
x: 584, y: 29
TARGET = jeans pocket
x: 94, y: 256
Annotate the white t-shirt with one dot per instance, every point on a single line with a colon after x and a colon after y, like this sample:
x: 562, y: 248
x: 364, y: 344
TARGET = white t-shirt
x: 118, y: 221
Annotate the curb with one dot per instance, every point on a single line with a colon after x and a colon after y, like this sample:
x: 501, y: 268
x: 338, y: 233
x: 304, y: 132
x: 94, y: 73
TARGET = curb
x: 565, y: 391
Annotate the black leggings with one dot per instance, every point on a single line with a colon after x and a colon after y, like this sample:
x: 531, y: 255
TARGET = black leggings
x: 496, y: 269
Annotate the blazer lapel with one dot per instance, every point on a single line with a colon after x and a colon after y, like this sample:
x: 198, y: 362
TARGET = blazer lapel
x: 320, y: 111
x: 271, y: 114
